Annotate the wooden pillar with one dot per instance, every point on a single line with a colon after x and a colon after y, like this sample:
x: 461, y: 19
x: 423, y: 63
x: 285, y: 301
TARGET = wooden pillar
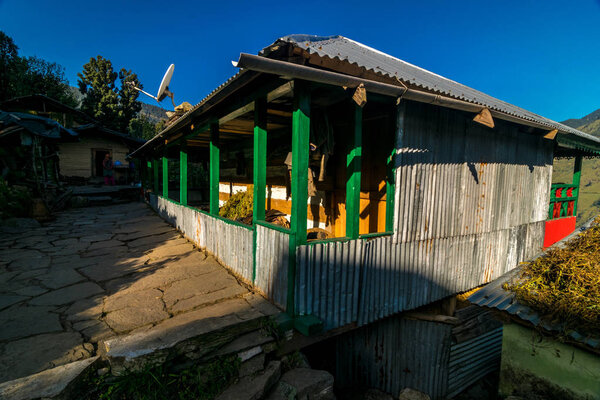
x: 392, y: 162
x: 260, y: 159
x: 214, y: 168
x: 165, y: 176
x: 183, y: 175
x: 353, y: 166
x: 155, y: 174
x: 576, y: 182
x: 300, y: 151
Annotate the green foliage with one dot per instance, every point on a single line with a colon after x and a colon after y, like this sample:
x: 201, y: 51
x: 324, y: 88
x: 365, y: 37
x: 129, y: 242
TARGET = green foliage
x: 141, y: 127
x: 22, y: 76
x: 15, y: 201
x: 238, y: 206
x: 199, y: 382
x: 113, y: 106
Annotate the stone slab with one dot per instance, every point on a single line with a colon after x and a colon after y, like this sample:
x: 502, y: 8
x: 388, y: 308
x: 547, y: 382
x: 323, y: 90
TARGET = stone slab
x: 45, y: 384
x: 22, y: 321
x: 68, y: 294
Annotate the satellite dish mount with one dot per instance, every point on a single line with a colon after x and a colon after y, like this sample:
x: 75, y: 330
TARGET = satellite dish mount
x: 163, y: 89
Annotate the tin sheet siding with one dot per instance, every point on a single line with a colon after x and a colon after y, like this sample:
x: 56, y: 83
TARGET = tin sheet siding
x: 455, y: 177
x: 328, y: 281
x: 231, y: 244
x: 473, y: 359
x: 396, y: 353
x: 272, y: 263
x: 404, y: 276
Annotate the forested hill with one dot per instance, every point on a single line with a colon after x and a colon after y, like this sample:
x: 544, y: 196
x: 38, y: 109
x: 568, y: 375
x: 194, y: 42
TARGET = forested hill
x: 589, y: 124
x: 153, y: 113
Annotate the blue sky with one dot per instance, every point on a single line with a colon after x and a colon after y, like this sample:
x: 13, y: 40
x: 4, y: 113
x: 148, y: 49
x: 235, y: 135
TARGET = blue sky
x: 542, y: 56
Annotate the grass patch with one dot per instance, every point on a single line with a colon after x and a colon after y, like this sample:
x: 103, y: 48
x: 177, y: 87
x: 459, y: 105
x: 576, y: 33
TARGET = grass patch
x: 199, y: 382
x: 564, y: 284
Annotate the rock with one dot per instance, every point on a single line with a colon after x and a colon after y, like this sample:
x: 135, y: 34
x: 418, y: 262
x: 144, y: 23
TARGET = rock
x: 36, y: 353
x: 127, y: 319
x: 60, y: 278
x: 22, y: 321
x: 252, y: 365
x: 7, y: 300
x: 310, y: 383
x: 68, y: 294
x: 21, y: 223
x: 412, y: 394
x: 103, y: 371
x: 253, y: 387
x: 47, y: 384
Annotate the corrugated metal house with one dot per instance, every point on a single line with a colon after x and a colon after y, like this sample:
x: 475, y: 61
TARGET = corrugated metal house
x: 425, y: 187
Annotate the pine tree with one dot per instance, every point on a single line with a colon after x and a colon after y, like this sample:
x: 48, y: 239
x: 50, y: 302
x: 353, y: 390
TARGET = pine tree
x: 112, y: 106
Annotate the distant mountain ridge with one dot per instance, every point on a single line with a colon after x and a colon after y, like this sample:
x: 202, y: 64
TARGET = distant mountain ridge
x: 588, y: 124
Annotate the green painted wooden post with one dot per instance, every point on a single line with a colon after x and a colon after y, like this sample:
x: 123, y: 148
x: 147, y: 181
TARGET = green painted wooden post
x: 183, y: 175
x: 259, y: 170
x: 165, y: 177
x: 155, y: 173
x: 214, y: 168
x: 260, y: 159
x: 576, y: 181
x: 353, y: 166
x: 394, y: 160
x: 300, y: 150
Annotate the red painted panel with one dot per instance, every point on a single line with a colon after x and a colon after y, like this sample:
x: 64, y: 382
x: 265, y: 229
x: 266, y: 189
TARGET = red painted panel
x: 557, y: 229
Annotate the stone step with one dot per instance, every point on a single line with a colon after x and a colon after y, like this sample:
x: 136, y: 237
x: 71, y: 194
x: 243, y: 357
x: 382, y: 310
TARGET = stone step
x: 191, y: 335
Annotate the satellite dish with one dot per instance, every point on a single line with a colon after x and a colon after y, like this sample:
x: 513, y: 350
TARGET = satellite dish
x: 163, y: 89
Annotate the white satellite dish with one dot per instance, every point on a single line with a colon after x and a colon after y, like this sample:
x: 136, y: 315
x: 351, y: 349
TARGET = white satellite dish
x: 163, y: 89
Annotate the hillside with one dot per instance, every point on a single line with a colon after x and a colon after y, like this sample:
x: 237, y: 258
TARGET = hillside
x: 153, y: 113
x: 589, y: 198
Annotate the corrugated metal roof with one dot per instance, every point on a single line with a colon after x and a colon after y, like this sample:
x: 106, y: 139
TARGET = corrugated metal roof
x: 344, y: 49
x: 493, y: 295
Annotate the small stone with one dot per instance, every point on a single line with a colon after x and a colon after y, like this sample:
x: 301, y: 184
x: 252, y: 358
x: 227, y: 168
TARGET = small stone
x: 103, y: 371
x: 374, y: 394
x: 310, y: 383
x: 412, y: 394
x: 253, y: 387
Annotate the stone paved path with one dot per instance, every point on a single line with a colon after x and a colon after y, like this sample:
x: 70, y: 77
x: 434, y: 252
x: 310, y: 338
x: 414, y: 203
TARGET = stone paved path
x: 97, y: 273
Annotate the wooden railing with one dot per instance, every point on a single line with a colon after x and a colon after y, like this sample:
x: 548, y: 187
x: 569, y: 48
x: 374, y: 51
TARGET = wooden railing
x: 563, y: 201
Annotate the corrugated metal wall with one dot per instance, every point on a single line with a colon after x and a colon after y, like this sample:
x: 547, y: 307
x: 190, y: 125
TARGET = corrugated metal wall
x: 230, y: 244
x: 455, y: 177
x: 328, y: 281
x: 272, y: 263
x: 473, y: 359
x: 396, y: 353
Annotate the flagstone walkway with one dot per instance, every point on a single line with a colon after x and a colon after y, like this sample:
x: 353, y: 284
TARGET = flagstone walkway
x: 96, y: 273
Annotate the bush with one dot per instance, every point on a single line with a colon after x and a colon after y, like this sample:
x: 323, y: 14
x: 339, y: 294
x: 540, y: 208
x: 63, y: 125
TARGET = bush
x: 15, y: 201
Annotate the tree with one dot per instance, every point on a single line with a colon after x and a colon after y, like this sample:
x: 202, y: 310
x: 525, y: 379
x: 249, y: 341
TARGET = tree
x: 9, y: 60
x: 44, y: 77
x: 141, y: 127
x: 22, y: 76
x: 113, y: 106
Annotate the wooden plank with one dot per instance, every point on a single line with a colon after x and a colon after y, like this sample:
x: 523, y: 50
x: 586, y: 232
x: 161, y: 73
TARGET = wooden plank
x: 353, y: 175
x: 214, y: 168
x: 165, y: 177
x: 183, y: 175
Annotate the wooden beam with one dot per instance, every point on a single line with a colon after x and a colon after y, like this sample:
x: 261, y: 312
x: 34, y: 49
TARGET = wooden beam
x: 300, y: 152
x: 551, y: 135
x: 260, y: 159
x: 183, y: 175
x: 214, y: 168
x: 155, y: 174
x: 353, y: 175
x: 576, y: 181
x: 165, y: 177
